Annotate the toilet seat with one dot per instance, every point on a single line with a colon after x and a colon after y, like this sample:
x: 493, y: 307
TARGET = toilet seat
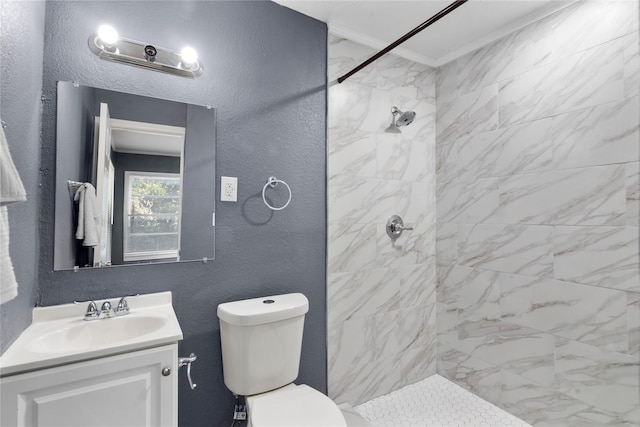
x: 294, y: 406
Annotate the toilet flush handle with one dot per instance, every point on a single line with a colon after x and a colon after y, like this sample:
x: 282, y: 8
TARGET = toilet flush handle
x: 187, y: 361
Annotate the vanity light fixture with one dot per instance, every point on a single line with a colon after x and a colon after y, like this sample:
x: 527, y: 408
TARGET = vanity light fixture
x: 108, y: 45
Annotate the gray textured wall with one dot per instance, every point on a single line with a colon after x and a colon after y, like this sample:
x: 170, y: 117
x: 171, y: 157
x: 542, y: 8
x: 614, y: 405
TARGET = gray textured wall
x: 21, y: 44
x: 265, y: 72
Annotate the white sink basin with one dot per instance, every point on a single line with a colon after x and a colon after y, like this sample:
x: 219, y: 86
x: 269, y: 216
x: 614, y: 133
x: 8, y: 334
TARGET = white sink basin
x: 60, y: 335
x: 83, y: 335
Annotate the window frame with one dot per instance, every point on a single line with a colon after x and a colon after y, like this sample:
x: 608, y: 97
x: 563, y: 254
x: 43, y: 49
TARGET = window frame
x: 147, y: 255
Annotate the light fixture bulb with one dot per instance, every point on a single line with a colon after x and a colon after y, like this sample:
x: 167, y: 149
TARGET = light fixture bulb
x: 108, y: 35
x: 189, y: 57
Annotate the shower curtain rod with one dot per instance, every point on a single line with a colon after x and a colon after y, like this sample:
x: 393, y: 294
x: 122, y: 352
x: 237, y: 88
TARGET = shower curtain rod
x: 456, y: 4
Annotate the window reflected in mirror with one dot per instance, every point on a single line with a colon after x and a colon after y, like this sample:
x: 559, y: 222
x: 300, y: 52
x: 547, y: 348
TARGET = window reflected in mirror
x: 152, y: 216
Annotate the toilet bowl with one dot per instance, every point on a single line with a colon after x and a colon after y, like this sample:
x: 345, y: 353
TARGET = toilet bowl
x: 261, y: 342
x: 293, y: 406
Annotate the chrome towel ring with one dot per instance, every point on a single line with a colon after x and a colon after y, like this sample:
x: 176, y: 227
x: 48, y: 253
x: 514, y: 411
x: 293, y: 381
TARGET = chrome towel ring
x: 272, y: 182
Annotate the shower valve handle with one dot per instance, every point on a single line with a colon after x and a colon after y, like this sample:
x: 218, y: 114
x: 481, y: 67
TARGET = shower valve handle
x: 395, y: 227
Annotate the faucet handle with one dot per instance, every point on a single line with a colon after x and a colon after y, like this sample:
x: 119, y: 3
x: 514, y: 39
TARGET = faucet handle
x: 92, y: 311
x: 105, y: 310
x: 122, y: 308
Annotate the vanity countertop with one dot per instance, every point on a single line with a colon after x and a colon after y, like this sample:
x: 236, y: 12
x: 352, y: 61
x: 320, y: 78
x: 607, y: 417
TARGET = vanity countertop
x: 59, y: 334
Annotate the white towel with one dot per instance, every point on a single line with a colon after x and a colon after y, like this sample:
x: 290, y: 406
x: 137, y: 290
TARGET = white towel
x: 11, y: 191
x: 8, y: 284
x: 88, y: 215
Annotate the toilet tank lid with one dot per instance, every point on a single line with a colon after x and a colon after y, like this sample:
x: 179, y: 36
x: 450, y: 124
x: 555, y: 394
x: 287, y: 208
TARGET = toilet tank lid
x: 257, y: 311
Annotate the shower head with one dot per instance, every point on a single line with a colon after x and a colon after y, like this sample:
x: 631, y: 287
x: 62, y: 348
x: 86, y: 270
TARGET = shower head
x: 400, y: 119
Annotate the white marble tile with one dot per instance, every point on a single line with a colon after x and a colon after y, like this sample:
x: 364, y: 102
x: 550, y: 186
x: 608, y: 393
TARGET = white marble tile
x: 632, y: 172
x: 587, y: 79
x: 503, y: 152
x: 417, y: 284
x: 350, y: 197
x: 446, y: 83
x: 350, y: 343
x: 473, y: 293
x: 408, y: 78
x: 468, y: 202
x: 348, y: 105
x: 344, y: 55
x: 416, y: 328
x: 447, y: 322
x: 357, y: 106
x: 446, y: 243
x: 426, y: 83
x: 397, y: 197
x: 404, y: 251
x: 524, y: 351
x: 609, y: 381
x: 420, y: 210
x: 633, y: 321
x: 369, y: 200
x: 368, y: 182
x: 446, y: 162
x: 418, y: 363
x: 597, y: 136
x: 477, y: 201
x: 388, y: 329
x: 362, y: 293
x: 632, y: 64
x: 587, y: 24
x: 477, y: 376
x: 581, y: 26
x: 396, y: 74
x: 366, y: 381
x: 588, y: 314
x: 447, y: 194
x: 600, y: 256
x: 521, y: 249
x: 483, y: 67
x: 351, y: 153
x: 584, y: 196
x: 540, y: 405
x: 471, y: 113
x: 402, y: 159
x: 351, y: 247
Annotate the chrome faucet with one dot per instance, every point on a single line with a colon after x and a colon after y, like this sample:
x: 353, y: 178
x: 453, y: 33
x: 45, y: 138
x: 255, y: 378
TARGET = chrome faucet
x: 122, y: 308
x: 92, y: 311
x: 106, y: 310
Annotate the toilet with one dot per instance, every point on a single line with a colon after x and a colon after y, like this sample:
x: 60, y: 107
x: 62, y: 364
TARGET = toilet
x: 261, y: 343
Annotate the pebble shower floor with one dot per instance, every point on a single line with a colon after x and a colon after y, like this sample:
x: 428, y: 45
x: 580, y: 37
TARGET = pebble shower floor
x: 435, y: 402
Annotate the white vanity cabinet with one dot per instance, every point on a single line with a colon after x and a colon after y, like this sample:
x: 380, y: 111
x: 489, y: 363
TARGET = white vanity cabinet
x: 134, y: 389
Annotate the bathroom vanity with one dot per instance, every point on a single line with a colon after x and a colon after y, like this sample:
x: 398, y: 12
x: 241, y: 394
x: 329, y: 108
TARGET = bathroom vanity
x: 64, y: 370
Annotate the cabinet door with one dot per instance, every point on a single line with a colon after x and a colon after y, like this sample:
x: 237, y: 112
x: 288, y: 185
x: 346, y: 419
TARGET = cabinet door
x: 124, y: 390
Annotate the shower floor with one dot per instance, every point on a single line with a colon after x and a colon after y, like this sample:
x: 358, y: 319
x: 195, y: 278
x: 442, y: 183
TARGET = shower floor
x: 435, y: 402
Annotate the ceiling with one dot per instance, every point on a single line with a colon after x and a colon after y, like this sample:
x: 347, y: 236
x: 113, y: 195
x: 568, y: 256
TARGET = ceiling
x: 378, y: 23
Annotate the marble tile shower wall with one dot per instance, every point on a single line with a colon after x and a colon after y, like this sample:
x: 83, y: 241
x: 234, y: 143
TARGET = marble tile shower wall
x: 381, y: 294
x: 537, y: 208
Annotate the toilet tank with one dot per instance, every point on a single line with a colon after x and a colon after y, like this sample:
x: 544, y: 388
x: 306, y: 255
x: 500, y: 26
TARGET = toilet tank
x: 261, y: 340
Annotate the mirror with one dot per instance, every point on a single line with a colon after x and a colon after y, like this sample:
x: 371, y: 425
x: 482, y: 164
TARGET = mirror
x: 135, y: 179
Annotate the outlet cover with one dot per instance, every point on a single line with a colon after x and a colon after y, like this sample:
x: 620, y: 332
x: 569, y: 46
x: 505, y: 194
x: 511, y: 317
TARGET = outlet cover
x: 228, y: 189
